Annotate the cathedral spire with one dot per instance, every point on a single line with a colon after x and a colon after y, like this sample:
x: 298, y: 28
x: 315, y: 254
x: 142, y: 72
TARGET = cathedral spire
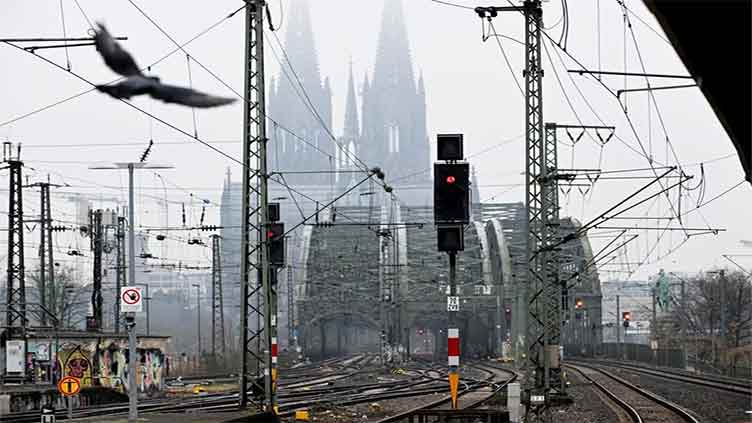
x: 394, y: 68
x: 352, y: 126
x: 300, y: 44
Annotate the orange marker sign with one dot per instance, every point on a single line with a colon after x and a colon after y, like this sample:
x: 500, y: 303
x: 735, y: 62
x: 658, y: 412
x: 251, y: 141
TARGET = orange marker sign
x: 69, y: 386
x: 454, y: 382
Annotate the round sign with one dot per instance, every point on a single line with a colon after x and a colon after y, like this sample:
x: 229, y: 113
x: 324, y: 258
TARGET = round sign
x: 69, y: 385
x: 131, y: 296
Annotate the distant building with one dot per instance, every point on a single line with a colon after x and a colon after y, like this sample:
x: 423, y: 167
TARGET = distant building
x: 387, y: 128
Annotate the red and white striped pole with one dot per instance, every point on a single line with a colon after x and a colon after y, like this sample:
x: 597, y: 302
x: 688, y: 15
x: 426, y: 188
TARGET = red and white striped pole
x: 453, y: 355
x: 453, y: 347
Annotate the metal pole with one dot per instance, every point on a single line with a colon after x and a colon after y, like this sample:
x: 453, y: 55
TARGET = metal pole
x: 51, y: 262
x: 500, y: 322
x: 198, y: 319
x: 654, y: 325
x: 722, y: 297
x: 684, y: 323
x: 120, y: 268
x: 148, y: 316
x: 43, y: 250
x: 131, y: 326
x: 254, y: 249
x: 618, y: 327
x: 453, y: 293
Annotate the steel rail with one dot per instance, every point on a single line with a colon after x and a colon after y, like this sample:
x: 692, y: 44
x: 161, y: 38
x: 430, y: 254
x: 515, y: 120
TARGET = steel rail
x: 681, y: 412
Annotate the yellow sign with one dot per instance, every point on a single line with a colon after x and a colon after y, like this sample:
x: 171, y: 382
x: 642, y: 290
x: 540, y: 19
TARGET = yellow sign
x: 454, y: 383
x: 69, y: 386
x: 302, y: 415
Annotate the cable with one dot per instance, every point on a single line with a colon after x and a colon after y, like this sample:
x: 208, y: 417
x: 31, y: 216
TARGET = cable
x: 220, y: 80
x: 190, y: 85
x: 65, y: 35
x: 200, y: 34
x: 86, y: 17
x: 506, y: 59
x: 453, y: 4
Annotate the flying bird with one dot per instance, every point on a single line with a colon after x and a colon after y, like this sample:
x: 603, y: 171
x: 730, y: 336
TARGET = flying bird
x: 136, y: 83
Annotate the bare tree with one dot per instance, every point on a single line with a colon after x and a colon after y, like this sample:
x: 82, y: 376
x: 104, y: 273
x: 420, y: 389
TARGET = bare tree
x: 65, y: 300
x: 709, y: 295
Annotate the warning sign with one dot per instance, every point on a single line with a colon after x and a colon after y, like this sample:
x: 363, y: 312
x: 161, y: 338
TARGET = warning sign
x: 130, y: 299
x: 453, y: 303
x: 69, y: 386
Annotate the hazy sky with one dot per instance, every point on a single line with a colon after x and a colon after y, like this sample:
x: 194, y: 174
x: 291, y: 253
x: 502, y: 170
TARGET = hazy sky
x: 469, y: 89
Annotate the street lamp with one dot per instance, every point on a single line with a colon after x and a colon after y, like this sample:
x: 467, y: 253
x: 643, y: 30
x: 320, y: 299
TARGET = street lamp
x: 130, y: 322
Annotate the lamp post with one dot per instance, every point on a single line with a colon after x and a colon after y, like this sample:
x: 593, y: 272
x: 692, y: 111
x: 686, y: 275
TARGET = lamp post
x: 130, y: 318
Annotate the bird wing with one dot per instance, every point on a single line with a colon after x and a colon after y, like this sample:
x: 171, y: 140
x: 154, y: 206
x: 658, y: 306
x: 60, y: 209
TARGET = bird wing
x: 187, y: 96
x: 115, y: 56
x: 131, y: 86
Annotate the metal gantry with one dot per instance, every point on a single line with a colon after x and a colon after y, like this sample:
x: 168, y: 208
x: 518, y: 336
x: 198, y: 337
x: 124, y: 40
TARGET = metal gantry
x: 218, y: 307
x: 16, y: 285
x: 255, y: 271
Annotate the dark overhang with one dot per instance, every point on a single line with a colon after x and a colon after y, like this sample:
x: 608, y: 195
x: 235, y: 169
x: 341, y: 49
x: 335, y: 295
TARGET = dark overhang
x: 713, y: 39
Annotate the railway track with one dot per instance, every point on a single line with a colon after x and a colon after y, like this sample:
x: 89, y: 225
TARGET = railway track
x: 632, y: 403
x: 720, y: 383
x: 473, y: 392
x: 309, y: 387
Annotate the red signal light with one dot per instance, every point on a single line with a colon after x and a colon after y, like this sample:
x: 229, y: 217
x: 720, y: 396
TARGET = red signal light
x: 451, y: 179
x: 270, y: 234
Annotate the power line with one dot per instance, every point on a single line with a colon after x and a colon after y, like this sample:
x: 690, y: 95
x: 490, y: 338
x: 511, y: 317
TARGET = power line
x: 65, y: 100
x: 506, y: 59
x: 221, y: 81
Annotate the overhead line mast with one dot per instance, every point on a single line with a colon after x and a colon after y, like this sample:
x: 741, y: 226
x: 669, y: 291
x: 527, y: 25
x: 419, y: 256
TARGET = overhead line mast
x: 255, y: 266
x: 541, y: 290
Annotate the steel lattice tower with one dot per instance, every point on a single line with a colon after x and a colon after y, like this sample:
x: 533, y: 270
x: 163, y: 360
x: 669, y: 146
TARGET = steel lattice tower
x: 97, y: 240
x: 16, y: 285
x: 120, y: 267
x: 218, y: 307
x: 47, y: 294
x: 254, y: 268
x: 543, y: 287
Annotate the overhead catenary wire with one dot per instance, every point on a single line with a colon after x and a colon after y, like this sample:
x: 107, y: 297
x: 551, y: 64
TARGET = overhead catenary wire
x: 161, y: 59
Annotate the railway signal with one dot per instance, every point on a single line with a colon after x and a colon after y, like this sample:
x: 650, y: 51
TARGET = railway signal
x: 626, y: 317
x: 451, y: 195
x: 451, y: 201
x: 275, y: 236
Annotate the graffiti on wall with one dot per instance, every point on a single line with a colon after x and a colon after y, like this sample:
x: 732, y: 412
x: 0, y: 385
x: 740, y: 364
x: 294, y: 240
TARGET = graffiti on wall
x: 113, y: 368
x: 74, y: 360
x: 108, y: 362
